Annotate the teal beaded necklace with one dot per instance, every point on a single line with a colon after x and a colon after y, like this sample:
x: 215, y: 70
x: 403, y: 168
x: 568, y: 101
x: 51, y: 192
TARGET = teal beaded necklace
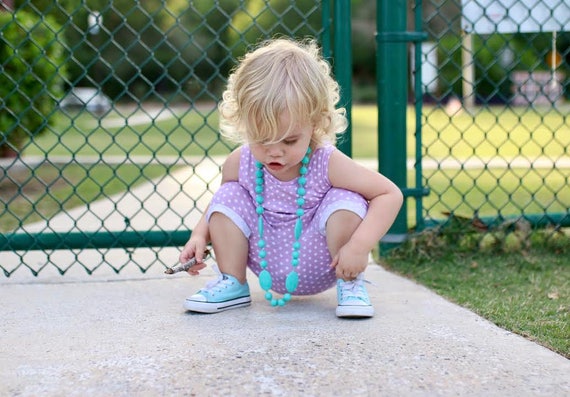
x: 265, y: 279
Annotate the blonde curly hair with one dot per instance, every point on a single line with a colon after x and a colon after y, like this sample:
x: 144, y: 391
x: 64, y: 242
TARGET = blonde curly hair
x: 281, y: 76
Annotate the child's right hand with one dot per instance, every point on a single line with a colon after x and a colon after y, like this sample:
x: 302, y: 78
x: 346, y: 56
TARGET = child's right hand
x: 194, y: 248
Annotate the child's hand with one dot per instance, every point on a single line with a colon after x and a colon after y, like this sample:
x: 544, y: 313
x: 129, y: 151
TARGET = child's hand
x: 349, y: 263
x: 194, y: 248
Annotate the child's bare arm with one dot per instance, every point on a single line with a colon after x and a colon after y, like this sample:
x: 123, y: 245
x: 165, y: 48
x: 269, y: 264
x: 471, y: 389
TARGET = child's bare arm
x: 384, y: 197
x: 200, y: 237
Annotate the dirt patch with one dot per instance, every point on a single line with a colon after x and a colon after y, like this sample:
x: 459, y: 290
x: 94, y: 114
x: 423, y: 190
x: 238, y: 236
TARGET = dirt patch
x: 27, y: 193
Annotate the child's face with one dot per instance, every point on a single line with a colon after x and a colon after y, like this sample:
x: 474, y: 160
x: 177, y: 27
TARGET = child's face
x: 283, y: 158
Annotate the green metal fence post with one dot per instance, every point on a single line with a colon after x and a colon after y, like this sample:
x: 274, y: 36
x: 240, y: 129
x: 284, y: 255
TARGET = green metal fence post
x: 418, y: 99
x: 391, y: 63
x: 343, y: 67
x: 326, y: 32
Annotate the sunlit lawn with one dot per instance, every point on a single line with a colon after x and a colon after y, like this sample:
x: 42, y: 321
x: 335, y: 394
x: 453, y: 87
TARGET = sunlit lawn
x: 495, y: 132
x: 189, y: 133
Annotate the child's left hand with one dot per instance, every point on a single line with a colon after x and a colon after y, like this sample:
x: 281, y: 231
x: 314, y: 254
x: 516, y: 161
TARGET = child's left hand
x: 349, y: 263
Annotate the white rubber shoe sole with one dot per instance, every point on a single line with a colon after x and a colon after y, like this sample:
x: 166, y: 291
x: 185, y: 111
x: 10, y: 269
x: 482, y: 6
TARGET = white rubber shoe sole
x: 354, y: 311
x: 216, y: 307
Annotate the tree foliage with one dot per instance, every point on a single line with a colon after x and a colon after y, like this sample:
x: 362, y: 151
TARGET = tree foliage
x: 186, y: 47
x: 31, y: 58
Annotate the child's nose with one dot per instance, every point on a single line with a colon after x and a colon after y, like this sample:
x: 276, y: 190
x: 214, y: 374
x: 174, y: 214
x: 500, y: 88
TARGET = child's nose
x: 274, y: 150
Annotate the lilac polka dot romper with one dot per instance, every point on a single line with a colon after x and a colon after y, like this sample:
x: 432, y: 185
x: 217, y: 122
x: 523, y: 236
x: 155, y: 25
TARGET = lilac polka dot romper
x: 236, y: 200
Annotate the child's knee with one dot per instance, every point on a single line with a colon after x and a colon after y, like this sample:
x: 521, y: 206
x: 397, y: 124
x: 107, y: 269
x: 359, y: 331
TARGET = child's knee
x: 234, y: 203
x: 344, y: 220
x: 341, y: 203
x: 223, y: 225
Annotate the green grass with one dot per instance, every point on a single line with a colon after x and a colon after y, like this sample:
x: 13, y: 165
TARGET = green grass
x: 191, y: 133
x: 494, y: 132
x: 531, y: 190
x: 524, y: 290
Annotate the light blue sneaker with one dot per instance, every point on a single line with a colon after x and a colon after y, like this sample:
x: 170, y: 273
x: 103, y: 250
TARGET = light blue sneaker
x: 353, y: 300
x: 224, y: 293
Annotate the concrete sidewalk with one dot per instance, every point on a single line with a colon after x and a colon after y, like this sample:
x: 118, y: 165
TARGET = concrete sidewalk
x: 131, y: 337
x: 127, y: 334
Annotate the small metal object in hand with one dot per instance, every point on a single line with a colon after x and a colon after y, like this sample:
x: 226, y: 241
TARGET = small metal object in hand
x: 182, y: 267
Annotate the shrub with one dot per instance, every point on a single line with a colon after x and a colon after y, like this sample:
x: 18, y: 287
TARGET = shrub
x: 31, y: 57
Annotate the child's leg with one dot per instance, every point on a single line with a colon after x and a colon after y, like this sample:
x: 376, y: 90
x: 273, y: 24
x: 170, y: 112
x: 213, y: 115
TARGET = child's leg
x: 353, y: 300
x: 343, y: 219
x: 340, y: 214
x: 339, y: 228
x: 230, y: 245
x: 228, y: 216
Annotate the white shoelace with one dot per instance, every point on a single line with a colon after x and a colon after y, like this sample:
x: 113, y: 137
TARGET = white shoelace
x: 219, y: 283
x: 354, y: 288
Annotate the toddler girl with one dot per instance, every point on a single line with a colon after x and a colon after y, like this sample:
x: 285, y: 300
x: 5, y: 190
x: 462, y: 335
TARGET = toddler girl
x: 293, y: 208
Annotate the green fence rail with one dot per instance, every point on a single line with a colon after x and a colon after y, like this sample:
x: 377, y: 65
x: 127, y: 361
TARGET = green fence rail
x: 109, y: 147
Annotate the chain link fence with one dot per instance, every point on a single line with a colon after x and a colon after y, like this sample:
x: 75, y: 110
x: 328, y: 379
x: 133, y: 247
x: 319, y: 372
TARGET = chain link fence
x: 495, y: 124
x: 109, y: 124
x: 124, y: 154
